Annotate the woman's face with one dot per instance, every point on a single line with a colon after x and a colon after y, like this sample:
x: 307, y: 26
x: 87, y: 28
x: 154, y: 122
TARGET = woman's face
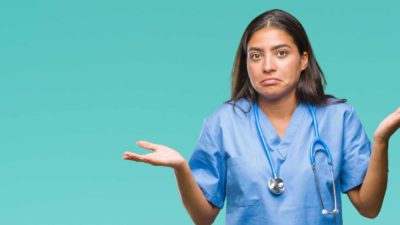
x: 274, y: 63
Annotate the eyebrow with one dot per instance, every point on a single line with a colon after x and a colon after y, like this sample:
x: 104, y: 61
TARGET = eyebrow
x: 273, y: 48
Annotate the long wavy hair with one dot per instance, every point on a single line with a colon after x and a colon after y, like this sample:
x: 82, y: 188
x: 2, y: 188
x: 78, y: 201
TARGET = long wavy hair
x: 310, y: 87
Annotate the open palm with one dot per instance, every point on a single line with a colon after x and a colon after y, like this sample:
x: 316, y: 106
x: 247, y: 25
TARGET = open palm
x: 160, y: 156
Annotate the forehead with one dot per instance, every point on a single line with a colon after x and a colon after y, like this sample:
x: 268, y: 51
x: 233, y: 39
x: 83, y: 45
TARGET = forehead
x: 268, y: 37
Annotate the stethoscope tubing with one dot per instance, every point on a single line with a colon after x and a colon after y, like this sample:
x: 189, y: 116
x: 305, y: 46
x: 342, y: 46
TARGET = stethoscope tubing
x: 313, y: 151
x: 317, y: 140
x: 264, y: 143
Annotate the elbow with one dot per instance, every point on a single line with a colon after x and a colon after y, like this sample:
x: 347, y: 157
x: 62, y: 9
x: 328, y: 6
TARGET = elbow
x: 370, y: 214
x: 203, y: 222
x: 204, y: 219
x: 369, y: 209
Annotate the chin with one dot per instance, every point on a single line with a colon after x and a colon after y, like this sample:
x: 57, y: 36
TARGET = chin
x: 275, y: 93
x: 271, y: 96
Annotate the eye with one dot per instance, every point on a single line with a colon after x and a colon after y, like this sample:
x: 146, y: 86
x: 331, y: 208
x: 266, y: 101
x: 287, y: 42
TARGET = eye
x: 254, y: 56
x: 282, y: 53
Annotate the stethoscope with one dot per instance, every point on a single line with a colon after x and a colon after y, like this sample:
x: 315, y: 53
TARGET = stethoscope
x: 276, y: 184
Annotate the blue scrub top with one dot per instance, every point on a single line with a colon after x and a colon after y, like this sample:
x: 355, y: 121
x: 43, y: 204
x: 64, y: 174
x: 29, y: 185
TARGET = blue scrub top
x: 229, y: 163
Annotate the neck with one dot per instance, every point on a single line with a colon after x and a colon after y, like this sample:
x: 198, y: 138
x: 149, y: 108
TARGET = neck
x: 281, y: 109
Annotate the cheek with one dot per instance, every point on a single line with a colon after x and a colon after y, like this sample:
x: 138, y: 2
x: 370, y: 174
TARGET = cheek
x: 251, y: 72
x: 250, y: 68
x: 291, y: 69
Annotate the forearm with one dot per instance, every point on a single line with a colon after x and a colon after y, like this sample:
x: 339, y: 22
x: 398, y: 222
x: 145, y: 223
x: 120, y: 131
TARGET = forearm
x: 199, y: 209
x: 373, y: 189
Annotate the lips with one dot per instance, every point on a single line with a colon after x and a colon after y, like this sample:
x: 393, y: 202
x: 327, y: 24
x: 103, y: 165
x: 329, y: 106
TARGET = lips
x: 270, y: 81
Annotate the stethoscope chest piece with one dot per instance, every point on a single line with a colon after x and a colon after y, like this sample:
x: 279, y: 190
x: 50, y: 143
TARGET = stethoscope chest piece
x: 276, y: 186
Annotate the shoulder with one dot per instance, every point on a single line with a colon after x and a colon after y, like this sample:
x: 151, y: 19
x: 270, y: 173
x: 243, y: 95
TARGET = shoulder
x: 229, y: 113
x: 334, y: 108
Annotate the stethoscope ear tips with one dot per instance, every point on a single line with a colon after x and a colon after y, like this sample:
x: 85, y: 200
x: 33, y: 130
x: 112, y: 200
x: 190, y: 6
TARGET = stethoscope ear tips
x: 326, y: 212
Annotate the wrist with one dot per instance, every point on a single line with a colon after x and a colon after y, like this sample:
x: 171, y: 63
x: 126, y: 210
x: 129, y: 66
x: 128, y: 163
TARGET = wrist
x: 179, y: 167
x: 380, y: 140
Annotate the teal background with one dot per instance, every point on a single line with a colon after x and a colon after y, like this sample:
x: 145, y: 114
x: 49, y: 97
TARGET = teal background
x: 82, y: 81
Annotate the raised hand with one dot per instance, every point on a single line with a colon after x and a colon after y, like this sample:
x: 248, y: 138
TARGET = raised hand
x: 388, y: 127
x: 160, y: 156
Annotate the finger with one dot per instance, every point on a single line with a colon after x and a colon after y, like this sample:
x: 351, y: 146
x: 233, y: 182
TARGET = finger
x: 135, y: 157
x: 147, y: 145
x: 127, y: 156
x: 142, y: 158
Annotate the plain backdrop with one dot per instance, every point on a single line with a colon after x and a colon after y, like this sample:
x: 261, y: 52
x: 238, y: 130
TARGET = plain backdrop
x: 82, y: 80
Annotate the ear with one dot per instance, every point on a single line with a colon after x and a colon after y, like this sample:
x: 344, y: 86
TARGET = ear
x: 304, y: 61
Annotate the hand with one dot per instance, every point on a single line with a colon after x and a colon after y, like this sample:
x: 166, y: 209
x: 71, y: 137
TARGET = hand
x: 388, y: 127
x: 161, y: 155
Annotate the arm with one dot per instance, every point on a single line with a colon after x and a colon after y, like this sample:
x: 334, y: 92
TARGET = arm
x: 199, y: 209
x: 368, y: 197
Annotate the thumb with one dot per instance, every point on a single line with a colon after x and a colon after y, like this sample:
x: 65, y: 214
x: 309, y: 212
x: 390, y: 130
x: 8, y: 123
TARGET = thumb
x: 147, y: 145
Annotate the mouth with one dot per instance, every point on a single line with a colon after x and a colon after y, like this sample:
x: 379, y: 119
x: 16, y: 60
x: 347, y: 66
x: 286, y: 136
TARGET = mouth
x: 270, y: 81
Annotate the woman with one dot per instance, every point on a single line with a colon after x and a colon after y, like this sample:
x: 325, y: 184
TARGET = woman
x: 256, y: 150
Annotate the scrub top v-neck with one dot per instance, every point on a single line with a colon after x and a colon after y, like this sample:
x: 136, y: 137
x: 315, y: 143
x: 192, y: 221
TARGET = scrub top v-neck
x: 229, y: 163
x: 279, y: 147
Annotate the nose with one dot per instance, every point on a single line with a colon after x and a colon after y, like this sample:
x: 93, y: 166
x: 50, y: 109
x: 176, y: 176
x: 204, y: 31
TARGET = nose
x: 269, y: 65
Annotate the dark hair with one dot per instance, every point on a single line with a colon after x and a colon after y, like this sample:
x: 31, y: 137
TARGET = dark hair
x: 310, y: 88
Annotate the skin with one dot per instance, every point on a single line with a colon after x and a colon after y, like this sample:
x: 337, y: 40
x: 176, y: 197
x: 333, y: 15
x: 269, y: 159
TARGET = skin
x: 272, y: 54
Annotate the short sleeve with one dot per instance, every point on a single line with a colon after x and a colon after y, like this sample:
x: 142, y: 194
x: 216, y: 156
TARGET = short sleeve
x: 357, y: 151
x: 208, y: 165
